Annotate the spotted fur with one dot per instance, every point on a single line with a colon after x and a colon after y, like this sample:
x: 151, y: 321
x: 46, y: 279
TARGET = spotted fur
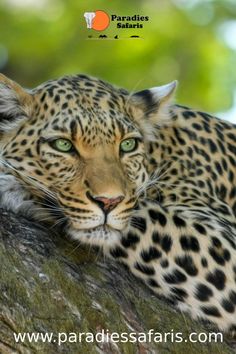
x: 174, y: 224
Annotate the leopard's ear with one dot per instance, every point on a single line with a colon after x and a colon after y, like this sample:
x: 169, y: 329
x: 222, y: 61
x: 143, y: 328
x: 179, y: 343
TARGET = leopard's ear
x: 151, y: 107
x: 15, y: 103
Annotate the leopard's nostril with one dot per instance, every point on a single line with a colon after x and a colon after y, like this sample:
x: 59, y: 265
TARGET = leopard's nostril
x: 106, y: 204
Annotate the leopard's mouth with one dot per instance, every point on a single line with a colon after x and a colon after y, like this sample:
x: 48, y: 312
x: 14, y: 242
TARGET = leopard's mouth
x: 99, y: 235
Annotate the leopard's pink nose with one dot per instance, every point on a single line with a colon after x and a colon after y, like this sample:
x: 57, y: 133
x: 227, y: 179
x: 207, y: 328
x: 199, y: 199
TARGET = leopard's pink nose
x: 106, y: 204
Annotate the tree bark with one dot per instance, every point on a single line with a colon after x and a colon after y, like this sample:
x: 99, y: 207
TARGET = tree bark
x: 49, y: 284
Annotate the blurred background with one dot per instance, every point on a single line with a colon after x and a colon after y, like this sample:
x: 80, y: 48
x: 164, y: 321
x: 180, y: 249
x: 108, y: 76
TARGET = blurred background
x: 193, y: 41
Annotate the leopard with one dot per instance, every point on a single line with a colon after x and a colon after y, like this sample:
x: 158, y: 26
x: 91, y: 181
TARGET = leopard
x: 149, y: 182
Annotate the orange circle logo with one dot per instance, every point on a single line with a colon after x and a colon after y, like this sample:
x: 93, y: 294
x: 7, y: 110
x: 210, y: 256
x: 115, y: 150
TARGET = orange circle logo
x: 100, y: 21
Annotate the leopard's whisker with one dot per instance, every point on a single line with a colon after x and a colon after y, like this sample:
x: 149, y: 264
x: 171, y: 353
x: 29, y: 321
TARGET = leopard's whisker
x: 33, y: 181
x: 58, y: 222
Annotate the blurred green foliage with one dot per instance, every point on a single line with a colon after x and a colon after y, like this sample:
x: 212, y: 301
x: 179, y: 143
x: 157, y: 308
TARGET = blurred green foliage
x: 184, y: 40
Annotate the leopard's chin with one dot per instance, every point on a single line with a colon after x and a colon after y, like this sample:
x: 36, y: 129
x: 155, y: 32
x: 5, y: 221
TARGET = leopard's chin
x: 102, y: 235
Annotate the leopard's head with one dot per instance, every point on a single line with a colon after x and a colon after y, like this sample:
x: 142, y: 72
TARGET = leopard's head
x: 80, y: 145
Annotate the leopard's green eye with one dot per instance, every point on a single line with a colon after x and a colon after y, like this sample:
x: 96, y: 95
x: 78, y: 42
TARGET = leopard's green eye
x: 128, y: 145
x: 62, y: 145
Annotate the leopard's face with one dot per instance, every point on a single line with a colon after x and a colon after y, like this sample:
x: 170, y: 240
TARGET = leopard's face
x: 81, y: 147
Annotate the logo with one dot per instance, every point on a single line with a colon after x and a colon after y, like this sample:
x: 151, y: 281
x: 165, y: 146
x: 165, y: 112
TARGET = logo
x: 98, y: 20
